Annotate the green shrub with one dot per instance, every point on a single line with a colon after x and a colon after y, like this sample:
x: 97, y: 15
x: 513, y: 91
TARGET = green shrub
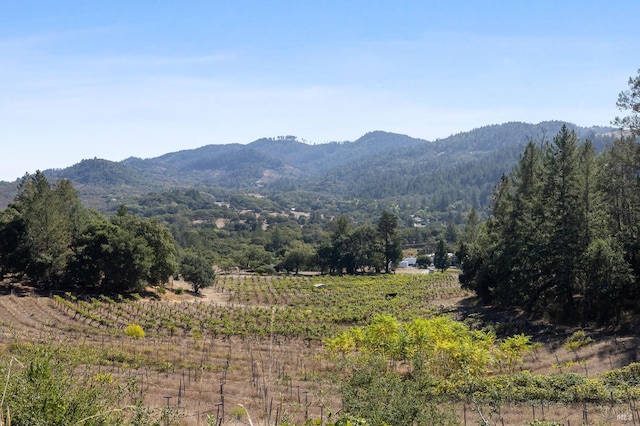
x: 46, y: 389
x: 265, y: 270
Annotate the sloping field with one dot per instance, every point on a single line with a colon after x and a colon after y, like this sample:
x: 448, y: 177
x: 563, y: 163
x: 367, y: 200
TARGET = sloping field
x: 250, y: 340
x: 256, y: 341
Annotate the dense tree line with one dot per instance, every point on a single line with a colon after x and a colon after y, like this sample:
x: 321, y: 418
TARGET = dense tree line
x: 49, y: 238
x: 563, y: 237
x: 254, y: 233
x: 354, y: 249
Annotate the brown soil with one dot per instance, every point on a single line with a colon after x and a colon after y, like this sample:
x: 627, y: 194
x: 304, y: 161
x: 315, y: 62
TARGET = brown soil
x: 276, y: 377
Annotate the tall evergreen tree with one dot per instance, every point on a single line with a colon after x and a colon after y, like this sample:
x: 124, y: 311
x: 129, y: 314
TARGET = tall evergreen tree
x: 469, y: 237
x: 485, y: 265
x: 564, y: 216
x: 341, y: 256
x: 620, y: 191
x: 523, y: 233
x: 609, y: 281
x: 471, y: 227
x: 504, y: 264
x: 594, y: 215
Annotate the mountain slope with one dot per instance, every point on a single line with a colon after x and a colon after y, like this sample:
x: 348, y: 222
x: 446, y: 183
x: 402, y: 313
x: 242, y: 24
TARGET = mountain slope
x: 378, y: 165
x: 464, y: 167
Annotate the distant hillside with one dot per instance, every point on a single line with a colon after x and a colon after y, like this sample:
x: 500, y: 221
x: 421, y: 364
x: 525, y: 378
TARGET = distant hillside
x: 462, y: 168
x: 98, y: 172
x: 279, y: 157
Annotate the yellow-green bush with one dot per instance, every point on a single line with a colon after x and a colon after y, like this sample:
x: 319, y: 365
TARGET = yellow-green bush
x: 135, y: 331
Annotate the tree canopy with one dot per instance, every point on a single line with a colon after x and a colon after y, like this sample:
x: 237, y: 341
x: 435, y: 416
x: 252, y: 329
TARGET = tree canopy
x: 197, y: 270
x: 562, y: 240
x: 48, y: 237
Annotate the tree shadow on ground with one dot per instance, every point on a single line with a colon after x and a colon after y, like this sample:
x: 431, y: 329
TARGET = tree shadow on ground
x: 622, y: 341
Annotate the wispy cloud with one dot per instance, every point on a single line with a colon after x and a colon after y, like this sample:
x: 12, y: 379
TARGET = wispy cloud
x: 122, y: 88
x: 47, y: 39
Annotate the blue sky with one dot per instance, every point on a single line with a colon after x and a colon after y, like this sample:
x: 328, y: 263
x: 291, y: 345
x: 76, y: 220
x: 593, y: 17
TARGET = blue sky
x: 114, y: 79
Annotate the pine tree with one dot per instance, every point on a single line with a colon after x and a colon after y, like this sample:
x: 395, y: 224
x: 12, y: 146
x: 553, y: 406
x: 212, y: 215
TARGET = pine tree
x: 629, y: 100
x: 620, y: 188
x: 485, y: 265
x: 524, y: 235
x: 564, y: 216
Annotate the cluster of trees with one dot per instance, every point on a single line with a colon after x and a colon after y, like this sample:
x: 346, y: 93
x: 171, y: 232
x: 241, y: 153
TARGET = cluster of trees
x: 253, y: 233
x: 564, y: 237
x: 361, y: 248
x: 345, y: 249
x: 48, y: 237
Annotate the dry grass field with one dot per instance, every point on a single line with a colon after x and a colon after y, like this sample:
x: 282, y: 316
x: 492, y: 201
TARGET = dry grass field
x: 257, y: 341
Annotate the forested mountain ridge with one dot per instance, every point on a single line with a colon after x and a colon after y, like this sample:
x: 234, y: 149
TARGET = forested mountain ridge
x: 463, y: 167
x: 458, y: 172
x: 287, y: 150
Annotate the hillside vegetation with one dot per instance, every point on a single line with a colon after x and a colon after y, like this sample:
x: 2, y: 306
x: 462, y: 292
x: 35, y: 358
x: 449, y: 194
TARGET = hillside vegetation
x: 250, y: 205
x: 98, y: 328
x: 563, y: 237
x: 396, y: 167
